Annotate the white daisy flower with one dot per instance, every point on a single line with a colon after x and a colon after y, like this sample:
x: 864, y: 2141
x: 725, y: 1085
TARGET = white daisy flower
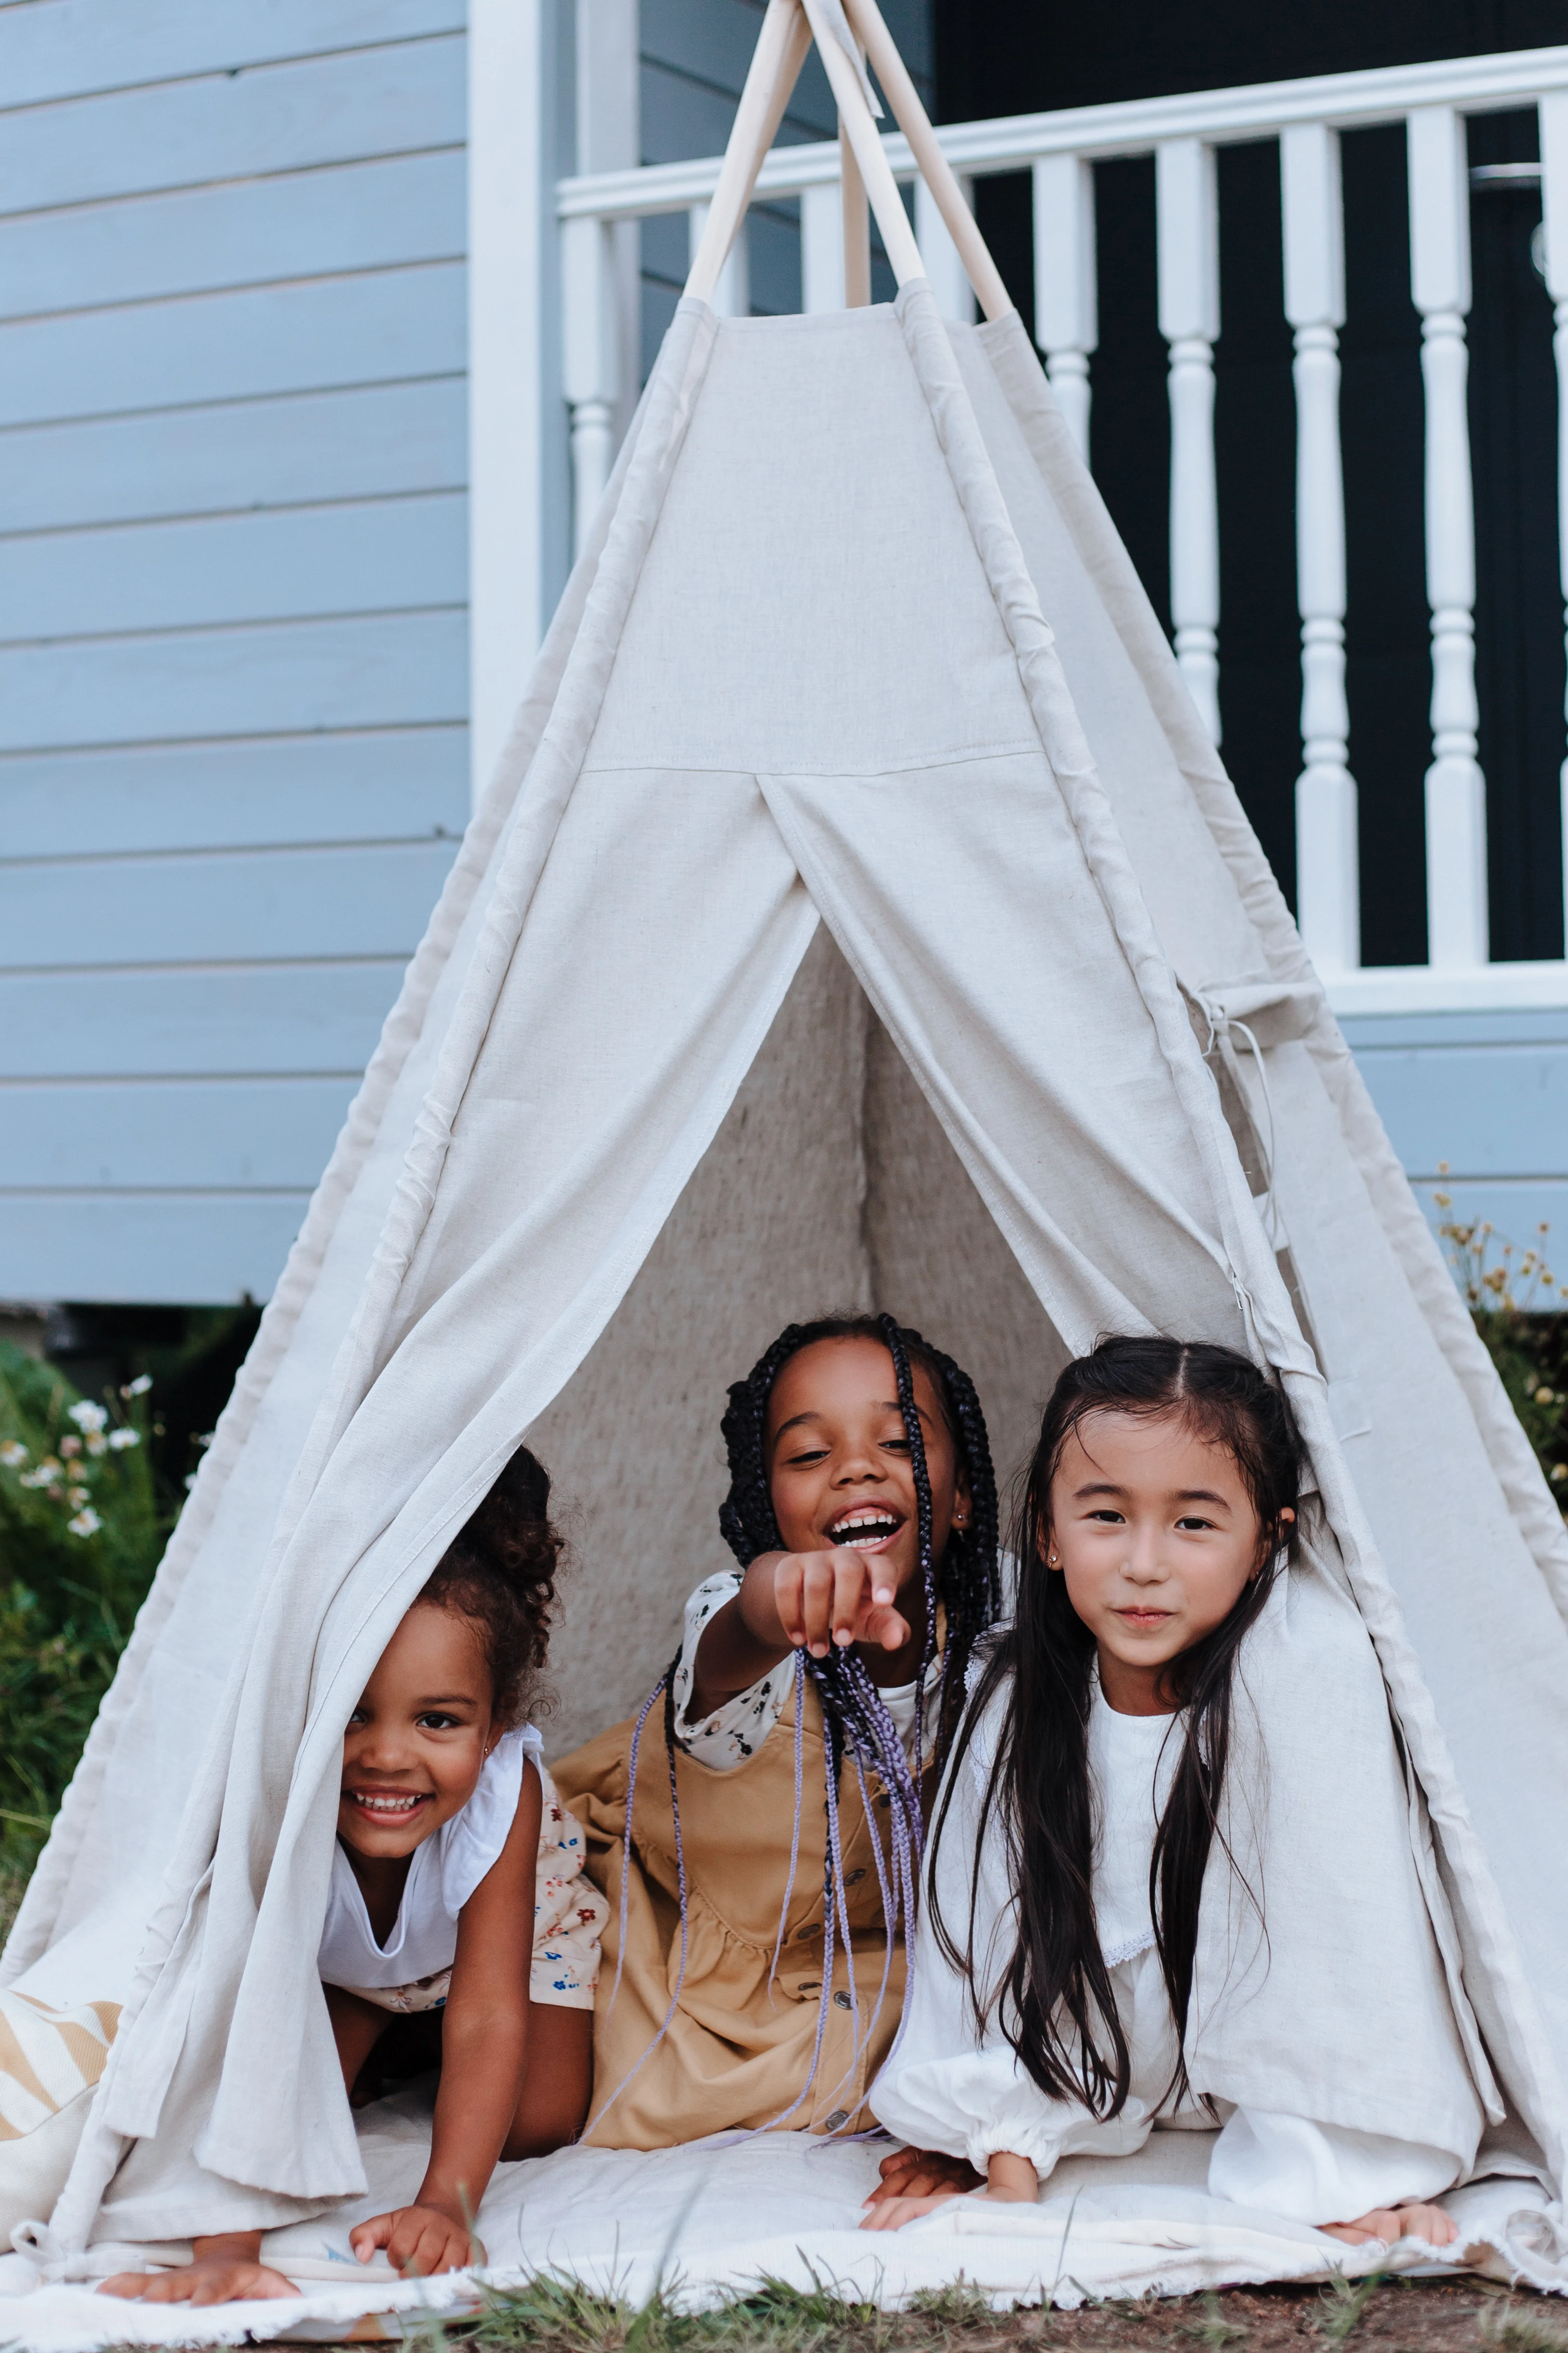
x: 86, y: 1522
x: 88, y: 1416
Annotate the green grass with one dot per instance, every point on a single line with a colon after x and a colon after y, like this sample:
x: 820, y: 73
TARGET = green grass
x: 557, y: 2316
x: 1513, y: 2327
x: 1344, y: 2306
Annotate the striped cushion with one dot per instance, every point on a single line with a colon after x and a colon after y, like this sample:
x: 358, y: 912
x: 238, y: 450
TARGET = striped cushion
x: 48, y: 2057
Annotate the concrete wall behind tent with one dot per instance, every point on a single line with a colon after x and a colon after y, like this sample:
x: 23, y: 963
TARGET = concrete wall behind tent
x: 829, y: 1187
x: 233, y: 628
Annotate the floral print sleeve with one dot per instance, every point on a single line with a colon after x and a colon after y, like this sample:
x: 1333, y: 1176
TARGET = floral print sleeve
x: 735, y: 1731
x: 569, y: 1913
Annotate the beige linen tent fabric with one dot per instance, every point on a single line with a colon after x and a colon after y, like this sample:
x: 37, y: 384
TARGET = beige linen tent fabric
x: 855, y: 646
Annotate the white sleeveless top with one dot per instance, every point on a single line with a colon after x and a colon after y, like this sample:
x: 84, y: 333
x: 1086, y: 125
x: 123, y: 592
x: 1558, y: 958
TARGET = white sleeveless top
x: 414, y: 1963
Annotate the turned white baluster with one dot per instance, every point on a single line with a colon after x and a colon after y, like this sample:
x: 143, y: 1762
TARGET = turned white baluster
x: 608, y: 140
x: 732, y: 294
x: 1328, y: 887
x: 1554, y: 212
x: 822, y: 247
x: 949, y: 278
x: 1067, y: 315
x: 1456, y: 792
x: 835, y: 239
x: 1187, y: 213
x: 590, y: 361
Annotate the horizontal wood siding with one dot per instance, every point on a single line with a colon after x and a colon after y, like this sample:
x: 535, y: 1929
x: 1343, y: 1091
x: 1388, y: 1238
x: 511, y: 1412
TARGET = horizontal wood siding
x: 232, y: 625
x: 1476, y: 1105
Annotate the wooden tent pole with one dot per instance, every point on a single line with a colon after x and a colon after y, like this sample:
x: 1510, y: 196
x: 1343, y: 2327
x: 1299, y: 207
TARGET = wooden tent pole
x: 857, y: 226
x: 776, y: 61
x: 866, y: 18
x: 855, y: 116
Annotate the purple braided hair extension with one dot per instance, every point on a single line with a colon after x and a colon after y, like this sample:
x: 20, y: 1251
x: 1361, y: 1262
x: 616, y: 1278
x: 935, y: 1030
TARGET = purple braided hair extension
x: 889, y: 1889
x: 627, y: 1836
x: 916, y: 1436
x: 836, y: 1896
x: 666, y: 1685
x: 826, y: 1995
x: 795, y: 1830
x: 889, y: 1910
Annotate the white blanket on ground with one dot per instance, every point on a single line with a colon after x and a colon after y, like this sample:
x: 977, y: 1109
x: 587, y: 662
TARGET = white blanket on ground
x: 716, y: 2218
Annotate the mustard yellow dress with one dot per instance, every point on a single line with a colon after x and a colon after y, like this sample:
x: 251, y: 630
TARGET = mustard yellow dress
x: 738, y: 2049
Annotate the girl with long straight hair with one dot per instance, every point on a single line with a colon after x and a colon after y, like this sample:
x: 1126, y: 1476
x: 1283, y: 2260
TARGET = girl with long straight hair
x: 1177, y: 1876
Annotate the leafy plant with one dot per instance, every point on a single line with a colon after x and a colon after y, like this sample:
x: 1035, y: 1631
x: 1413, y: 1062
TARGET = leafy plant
x: 1511, y: 1294
x: 82, y: 1526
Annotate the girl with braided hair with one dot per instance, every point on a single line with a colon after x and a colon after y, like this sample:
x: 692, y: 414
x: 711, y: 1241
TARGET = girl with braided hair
x: 756, y: 1928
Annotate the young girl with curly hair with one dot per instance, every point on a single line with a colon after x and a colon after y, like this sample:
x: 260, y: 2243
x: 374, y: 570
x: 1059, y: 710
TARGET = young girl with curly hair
x: 457, y: 1906
x: 760, y: 1869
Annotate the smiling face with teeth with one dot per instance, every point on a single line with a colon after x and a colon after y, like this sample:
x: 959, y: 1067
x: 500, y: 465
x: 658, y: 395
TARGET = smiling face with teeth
x: 839, y: 1459
x: 414, y: 1745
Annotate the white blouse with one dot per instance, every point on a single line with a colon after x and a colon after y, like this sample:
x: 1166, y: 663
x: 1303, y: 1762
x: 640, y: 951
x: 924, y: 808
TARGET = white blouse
x: 443, y: 1872
x: 952, y: 2086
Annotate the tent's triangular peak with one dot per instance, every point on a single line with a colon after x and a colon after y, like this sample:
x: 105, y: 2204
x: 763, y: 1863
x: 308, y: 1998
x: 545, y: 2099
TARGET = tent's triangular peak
x: 847, y: 33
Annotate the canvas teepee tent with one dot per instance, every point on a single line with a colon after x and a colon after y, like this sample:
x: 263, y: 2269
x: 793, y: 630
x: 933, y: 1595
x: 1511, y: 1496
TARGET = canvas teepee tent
x: 859, y: 913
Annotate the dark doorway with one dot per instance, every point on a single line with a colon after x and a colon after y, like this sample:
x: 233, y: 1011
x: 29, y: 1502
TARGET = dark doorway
x: 992, y: 62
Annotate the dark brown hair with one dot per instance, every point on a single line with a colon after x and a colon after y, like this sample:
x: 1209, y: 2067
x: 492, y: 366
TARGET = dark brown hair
x: 500, y: 1572
x: 1055, y: 2002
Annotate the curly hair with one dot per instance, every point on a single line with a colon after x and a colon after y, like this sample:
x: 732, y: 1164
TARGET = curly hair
x: 501, y: 1572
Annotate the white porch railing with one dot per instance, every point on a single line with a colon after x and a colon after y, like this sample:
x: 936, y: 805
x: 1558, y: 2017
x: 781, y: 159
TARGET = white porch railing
x: 1182, y: 134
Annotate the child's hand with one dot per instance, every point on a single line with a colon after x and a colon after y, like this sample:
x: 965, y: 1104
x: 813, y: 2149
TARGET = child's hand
x: 1009, y: 2180
x: 921, y: 2173
x: 896, y: 2211
x: 420, y: 2240
x: 823, y: 1600
x: 211, y: 2279
x: 1390, y: 2222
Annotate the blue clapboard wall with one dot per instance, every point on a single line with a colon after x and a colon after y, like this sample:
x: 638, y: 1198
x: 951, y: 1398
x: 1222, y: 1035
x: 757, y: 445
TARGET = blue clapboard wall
x: 1486, y: 1096
x: 233, y: 663
x: 233, y: 668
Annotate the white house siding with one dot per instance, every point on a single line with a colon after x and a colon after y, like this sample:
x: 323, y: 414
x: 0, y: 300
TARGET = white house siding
x: 233, y: 666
